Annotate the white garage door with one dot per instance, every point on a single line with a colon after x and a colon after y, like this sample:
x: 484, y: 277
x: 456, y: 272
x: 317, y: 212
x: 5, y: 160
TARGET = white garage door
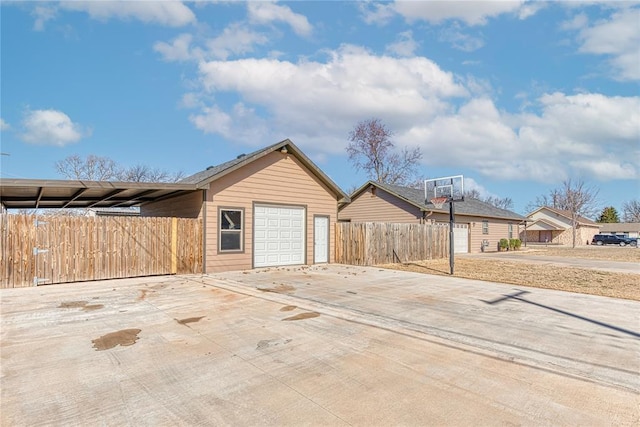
x: 461, y: 238
x: 278, y: 235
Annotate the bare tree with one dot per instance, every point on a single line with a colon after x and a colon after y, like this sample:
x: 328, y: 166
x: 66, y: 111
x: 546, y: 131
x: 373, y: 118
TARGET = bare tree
x: 93, y: 168
x: 631, y: 211
x: 371, y: 149
x: 96, y: 168
x: 143, y: 173
x: 577, y: 198
x: 502, y: 203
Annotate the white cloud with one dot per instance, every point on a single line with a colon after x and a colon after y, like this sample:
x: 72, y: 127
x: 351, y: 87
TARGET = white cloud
x: 471, y: 184
x: 460, y: 40
x: 265, y: 12
x: 353, y: 84
x: 376, y: 12
x: 42, y: 14
x: 617, y: 37
x: 470, y: 12
x: 405, y: 45
x: 236, y: 39
x: 50, y: 127
x: 4, y: 125
x: 169, y: 13
x: 589, y: 135
x: 178, y: 50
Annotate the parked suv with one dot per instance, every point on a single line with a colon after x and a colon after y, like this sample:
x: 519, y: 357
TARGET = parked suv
x: 612, y: 239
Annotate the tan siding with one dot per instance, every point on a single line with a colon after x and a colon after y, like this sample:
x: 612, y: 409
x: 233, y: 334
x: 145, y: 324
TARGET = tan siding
x: 498, y: 229
x: 187, y: 206
x: 381, y: 207
x: 272, y: 179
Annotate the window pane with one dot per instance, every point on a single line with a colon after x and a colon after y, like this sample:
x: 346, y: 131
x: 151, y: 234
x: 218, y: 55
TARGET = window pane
x: 230, y: 220
x: 230, y: 240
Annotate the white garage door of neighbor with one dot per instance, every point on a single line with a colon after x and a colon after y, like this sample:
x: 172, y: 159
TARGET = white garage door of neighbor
x: 461, y: 238
x: 278, y: 236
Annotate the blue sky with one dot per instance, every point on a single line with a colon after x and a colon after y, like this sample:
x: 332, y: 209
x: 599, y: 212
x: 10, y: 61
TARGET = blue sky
x: 517, y: 96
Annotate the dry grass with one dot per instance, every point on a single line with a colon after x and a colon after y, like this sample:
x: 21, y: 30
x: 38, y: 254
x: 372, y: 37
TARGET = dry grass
x: 585, y: 281
x: 607, y: 253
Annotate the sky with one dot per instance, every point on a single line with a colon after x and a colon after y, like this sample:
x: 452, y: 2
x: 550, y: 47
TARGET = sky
x: 517, y: 96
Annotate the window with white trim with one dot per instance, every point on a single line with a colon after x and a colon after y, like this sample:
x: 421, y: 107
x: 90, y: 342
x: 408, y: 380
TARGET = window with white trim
x: 510, y: 231
x: 231, y: 230
x: 485, y: 227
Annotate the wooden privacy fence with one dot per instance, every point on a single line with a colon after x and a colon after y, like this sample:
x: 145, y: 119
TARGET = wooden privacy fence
x: 371, y: 243
x: 39, y: 250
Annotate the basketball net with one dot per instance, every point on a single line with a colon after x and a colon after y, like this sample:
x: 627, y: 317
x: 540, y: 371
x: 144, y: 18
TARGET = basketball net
x: 438, y: 202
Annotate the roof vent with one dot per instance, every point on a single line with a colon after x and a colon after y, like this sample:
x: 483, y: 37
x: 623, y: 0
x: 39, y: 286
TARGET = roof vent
x: 241, y: 156
x: 210, y: 167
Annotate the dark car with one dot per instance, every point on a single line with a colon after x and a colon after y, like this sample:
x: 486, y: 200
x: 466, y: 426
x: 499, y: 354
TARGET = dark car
x: 612, y: 239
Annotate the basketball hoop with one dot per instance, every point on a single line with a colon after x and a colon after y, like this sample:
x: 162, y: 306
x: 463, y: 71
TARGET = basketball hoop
x: 438, y: 202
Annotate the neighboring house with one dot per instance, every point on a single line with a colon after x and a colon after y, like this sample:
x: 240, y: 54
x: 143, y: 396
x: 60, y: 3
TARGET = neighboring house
x: 628, y: 229
x: 477, y: 222
x: 550, y: 225
x: 273, y: 207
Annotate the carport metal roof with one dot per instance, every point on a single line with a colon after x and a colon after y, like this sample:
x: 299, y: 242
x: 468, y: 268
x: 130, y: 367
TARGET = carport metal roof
x: 41, y: 194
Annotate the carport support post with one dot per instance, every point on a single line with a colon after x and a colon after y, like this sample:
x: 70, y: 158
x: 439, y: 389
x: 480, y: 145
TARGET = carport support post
x: 451, y: 237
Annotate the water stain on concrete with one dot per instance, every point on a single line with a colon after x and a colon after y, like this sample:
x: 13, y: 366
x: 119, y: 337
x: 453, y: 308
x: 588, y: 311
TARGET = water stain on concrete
x: 279, y: 289
x: 302, y: 316
x: 80, y: 304
x: 72, y: 304
x: 288, y: 308
x: 271, y: 343
x: 143, y: 294
x: 124, y: 338
x: 189, y: 320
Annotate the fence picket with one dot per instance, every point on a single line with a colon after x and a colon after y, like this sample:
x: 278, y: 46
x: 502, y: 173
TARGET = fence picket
x: 381, y: 243
x: 92, y: 248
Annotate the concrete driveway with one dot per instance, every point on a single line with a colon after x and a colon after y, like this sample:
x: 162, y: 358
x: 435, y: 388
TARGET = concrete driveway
x: 325, y: 345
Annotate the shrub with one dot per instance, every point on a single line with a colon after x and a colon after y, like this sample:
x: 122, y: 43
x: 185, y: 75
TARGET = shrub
x: 517, y: 243
x: 503, y: 244
x: 514, y: 244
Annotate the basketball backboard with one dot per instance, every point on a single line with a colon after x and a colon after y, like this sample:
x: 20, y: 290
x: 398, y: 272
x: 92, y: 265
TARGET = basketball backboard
x: 451, y: 187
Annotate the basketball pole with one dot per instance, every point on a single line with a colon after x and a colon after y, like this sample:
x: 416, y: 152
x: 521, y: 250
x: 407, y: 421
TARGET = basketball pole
x: 451, y: 237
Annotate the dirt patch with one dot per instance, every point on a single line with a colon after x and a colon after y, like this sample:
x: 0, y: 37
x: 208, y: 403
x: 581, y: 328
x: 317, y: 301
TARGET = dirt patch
x: 190, y: 320
x: 302, y: 316
x: 288, y: 308
x: 279, y: 289
x: 124, y: 338
x: 584, y: 281
x: 80, y: 304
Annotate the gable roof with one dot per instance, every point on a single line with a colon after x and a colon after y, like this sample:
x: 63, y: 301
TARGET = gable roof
x: 203, y: 178
x: 543, y: 224
x: 566, y: 214
x: 416, y: 197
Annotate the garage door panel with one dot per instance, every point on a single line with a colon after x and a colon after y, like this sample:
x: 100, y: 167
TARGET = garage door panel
x: 278, y: 236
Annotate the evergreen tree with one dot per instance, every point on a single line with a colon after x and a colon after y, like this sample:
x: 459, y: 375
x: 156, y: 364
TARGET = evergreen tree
x: 609, y: 214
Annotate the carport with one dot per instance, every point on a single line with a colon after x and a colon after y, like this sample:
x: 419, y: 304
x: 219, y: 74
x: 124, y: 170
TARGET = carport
x: 41, y: 247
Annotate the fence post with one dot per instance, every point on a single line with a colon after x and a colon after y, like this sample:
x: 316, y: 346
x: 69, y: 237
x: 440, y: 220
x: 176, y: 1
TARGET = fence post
x: 174, y: 245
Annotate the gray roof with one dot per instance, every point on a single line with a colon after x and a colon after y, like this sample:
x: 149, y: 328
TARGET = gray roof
x: 619, y: 227
x: 203, y: 178
x: 470, y: 206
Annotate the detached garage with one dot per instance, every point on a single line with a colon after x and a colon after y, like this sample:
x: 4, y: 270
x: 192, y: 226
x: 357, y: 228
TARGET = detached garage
x: 273, y: 207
